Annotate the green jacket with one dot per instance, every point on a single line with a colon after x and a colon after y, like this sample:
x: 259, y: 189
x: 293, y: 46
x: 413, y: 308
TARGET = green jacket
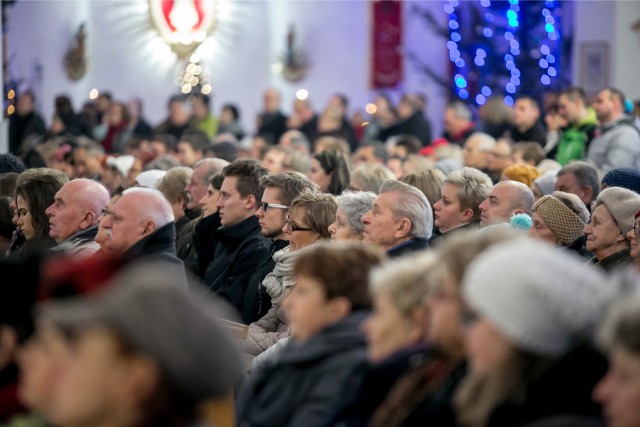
x: 576, y: 138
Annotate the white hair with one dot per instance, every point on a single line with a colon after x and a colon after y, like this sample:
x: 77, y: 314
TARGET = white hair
x: 411, y: 204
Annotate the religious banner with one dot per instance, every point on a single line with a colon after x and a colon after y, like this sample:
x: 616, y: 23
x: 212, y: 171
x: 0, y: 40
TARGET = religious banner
x: 386, y: 43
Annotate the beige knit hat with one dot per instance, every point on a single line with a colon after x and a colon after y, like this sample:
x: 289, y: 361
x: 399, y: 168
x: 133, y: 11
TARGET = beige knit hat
x: 565, y: 223
x: 622, y: 204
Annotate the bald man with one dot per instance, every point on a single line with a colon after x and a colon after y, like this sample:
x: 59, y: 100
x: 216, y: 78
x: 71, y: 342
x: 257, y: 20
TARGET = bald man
x: 505, y: 199
x: 74, y: 216
x: 140, y: 224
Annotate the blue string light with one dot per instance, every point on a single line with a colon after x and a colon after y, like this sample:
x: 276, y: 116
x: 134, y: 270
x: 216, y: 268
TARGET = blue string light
x: 551, y: 28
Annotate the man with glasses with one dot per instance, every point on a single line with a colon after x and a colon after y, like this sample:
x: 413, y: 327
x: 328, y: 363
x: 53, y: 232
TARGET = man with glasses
x: 279, y: 191
x: 239, y: 245
x: 609, y: 228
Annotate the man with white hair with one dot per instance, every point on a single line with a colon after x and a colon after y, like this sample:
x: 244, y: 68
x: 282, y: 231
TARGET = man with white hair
x: 400, y: 221
x: 457, y: 123
x: 74, y: 216
x: 140, y: 224
x: 476, y: 150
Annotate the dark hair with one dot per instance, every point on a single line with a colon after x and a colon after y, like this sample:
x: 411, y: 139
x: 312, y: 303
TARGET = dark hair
x: 10, y: 163
x: 338, y: 165
x: 249, y: 174
x: 206, y: 99
x: 169, y: 141
x: 332, y: 265
x: 8, y: 184
x: 233, y: 109
x: 38, y: 190
x: 410, y: 143
x: 290, y: 184
x: 6, y: 215
x: 379, y: 149
x: 617, y: 94
x: 63, y: 106
x: 532, y: 101
x: 216, y: 180
x: 344, y: 101
x: 198, y: 140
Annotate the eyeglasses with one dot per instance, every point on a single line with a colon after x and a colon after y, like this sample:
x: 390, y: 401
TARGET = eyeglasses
x: 105, y: 212
x: 294, y: 227
x: 265, y: 206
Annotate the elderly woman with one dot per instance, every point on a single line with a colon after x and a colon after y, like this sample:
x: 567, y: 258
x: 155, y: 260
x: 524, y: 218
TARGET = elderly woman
x: 326, y: 353
x: 531, y: 312
x: 307, y: 222
x: 559, y: 219
x: 633, y: 236
x: 35, y: 191
x: 619, y: 391
x: 351, y: 207
x: 460, y: 198
x: 330, y: 171
x: 172, y: 185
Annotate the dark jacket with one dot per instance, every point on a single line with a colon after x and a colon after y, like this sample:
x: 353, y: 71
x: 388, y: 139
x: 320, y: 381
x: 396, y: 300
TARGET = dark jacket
x: 204, y: 242
x: 239, y: 250
x: 272, y: 126
x: 20, y: 127
x: 437, y: 239
x: 408, y: 247
x: 158, y: 246
x: 185, y: 247
x: 535, y: 133
x: 84, y: 241
x: 411, y: 388
x: 563, y: 389
x: 257, y: 301
x: 612, y: 262
x: 305, y: 382
x: 415, y: 125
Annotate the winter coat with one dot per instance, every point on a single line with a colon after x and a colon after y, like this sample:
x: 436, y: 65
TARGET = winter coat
x: 408, y: 247
x: 617, y: 146
x: 614, y: 261
x: 535, y: 133
x: 157, y: 246
x: 257, y: 301
x: 202, y: 244
x: 80, y: 244
x: 239, y: 250
x: 303, y: 385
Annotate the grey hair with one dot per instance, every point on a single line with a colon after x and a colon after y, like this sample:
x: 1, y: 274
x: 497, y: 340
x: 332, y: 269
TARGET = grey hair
x: 406, y: 281
x: 214, y: 166
x: 371, y: 176
x: 355, y: 204
x: 473, y: 188
x: 485, y: 141
x: 620, y: 327
x: 460, y: 110
x: 585, y: 173
x: 411, y: 204
x: 152, y: 205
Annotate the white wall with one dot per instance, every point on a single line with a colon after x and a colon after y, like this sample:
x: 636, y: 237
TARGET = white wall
x: 611, y: 22
x: 127, y: 58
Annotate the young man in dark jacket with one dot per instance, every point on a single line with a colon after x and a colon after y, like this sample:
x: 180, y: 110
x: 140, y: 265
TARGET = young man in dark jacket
x: 239, y: 245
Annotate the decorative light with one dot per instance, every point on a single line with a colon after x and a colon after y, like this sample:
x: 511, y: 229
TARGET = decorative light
x: 11, y: 94
x: 11, y: 109
x: 206, y: 89
x: 93, y: 94
x: 302, y: 94
x: 371, y: 108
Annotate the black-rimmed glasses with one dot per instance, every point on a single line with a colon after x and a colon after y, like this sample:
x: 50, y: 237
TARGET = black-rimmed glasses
x: 266, y: 206
x: 294, y: 227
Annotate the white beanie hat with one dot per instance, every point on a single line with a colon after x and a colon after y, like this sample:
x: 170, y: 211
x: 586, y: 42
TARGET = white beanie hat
x: 121, y: 163
x: 150, y: 178
x: 540, y: 297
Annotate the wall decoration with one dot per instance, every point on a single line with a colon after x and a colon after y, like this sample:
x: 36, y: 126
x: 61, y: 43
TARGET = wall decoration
x: 183, y: 24
x: 293, y: 64
x: 75, y: 59
x: 386, y: 44
x: 594, y: 66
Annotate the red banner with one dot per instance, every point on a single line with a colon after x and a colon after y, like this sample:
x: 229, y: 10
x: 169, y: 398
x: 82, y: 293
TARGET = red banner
x: 386, y: 43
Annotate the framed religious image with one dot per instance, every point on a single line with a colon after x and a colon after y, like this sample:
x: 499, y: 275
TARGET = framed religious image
x: 594, y: 66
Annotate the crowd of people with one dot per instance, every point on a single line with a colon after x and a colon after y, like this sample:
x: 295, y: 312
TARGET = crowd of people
x: 323, y: 269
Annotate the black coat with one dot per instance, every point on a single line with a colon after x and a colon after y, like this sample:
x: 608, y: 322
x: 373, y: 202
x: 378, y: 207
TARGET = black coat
x: 20, y: 127
x: 239, y: 250
x: 562, y: 390
x: 408, y: 247
x: 257, y: 301
x: 203, y: 242
x: 303, y: 385
x: 535, y: 133
x: 415, y: 125
x: 272, y: 126
x: 157, y: 246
